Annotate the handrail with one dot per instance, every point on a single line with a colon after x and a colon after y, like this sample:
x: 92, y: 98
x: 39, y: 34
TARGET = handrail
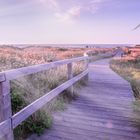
x: 9, y: 122
x: 15, y: 73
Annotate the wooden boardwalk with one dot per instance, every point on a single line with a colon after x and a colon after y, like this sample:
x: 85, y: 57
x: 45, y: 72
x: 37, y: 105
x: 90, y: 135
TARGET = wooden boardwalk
x: 103, y: 111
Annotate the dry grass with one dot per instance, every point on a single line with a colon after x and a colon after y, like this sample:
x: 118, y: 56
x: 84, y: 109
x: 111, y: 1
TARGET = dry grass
x: 131, y: 53
x: 130, y: 70
x: 36, y: 85
x: 11, y: 58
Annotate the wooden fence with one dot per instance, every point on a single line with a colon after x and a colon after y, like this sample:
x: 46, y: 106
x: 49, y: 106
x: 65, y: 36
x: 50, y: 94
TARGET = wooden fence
x: 9, y: 122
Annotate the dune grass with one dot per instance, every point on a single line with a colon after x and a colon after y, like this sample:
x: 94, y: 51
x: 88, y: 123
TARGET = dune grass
x: 129, y: 70
x: 29, y: 88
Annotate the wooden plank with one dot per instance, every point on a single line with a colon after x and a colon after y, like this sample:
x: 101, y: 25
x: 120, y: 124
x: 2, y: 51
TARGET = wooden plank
x: 13, y: 74
x: 69, y: 134
x: 93, y: 127
x: 125, y: 124
x: 105, y: 111
x: 86, y: 134
x: 98, y: 106
x: 5, y: 127
x: 33, y: 107
x: 63, y: 135
x: 96, y: 123
x: 103, y: 115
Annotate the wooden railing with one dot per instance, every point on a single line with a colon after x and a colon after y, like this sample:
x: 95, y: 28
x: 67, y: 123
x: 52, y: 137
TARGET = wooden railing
x: 9, y: 122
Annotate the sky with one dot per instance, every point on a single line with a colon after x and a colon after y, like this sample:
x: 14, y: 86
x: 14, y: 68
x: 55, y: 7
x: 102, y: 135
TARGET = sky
x: 69, y: 21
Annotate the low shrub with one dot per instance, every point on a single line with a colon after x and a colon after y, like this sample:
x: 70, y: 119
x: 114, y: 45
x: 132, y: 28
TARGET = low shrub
x: 63, y: 49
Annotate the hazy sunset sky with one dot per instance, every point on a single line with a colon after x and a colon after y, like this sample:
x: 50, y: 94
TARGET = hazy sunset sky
x: 69, y: 21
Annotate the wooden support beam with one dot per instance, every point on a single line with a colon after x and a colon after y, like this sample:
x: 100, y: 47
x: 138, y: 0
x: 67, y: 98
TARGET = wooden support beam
x: 86, y: 67
x: 5, y: 106
x: 70, y: 76
x: 4, y: 128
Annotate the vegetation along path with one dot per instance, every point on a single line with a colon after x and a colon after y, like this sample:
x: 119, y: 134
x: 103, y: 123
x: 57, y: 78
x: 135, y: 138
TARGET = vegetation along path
x: 104, y: 110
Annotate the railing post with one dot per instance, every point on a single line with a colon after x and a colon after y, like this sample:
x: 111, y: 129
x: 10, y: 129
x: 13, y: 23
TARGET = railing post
x: 86, y: 66
x: 5, y: 105
x: 70, y: 76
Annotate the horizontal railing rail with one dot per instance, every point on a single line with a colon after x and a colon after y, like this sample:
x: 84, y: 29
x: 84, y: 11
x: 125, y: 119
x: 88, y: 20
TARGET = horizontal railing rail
x: 16, y: 73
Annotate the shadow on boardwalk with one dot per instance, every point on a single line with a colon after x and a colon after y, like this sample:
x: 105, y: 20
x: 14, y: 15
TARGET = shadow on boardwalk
x: 103, y: 111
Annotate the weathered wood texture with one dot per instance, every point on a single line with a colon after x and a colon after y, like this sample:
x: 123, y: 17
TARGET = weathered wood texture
x: 5, y: 108
x: 103, y: 111
x: 70, y: 76
x: 4, y: 127
x: 16, y: 73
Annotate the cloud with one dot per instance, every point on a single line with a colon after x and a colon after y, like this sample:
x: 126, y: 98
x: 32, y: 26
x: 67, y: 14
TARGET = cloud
x: 75, y: 11
x: 68, y: 11
x: 53, y: 4
x: 62, y: 10
x: 69, y: 15
x: 94, y: 5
